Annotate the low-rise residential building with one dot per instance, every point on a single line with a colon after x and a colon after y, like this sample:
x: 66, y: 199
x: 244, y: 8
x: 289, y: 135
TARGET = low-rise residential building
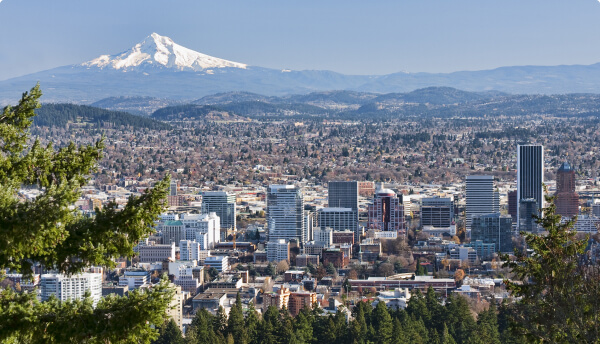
x: 304, y: 259
x: 343, y: 237
x: 279, y: 299
x: 335, y: 256
x: 299, y: 300
x: 209, y: 301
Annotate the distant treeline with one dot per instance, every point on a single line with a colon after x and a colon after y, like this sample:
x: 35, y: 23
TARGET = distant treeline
x: 184, y: 111
x: 251, y: 109
x: 59, y: 115
x: 256, y: 108
x: 507, y: 133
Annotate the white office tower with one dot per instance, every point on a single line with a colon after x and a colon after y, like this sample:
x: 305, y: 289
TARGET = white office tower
x: 278, y: 250
x: 135, y: 279
x: 221, y: 263
x: 530, y: 178
x: 309, y: 225
x: 324, y: 235
x: 203, y: 228
x: 285, y: 213
x: 189, y: 250
x: 223, y: 204
x: 481, y: 197
x: 71, y: 287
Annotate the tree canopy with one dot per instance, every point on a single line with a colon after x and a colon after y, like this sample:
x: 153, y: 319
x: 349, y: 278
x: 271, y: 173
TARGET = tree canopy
x: 559, y: 284
x: 48, y: 230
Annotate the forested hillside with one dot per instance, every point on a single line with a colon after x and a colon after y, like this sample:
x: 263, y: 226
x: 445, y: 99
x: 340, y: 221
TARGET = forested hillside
x: 60, y: 115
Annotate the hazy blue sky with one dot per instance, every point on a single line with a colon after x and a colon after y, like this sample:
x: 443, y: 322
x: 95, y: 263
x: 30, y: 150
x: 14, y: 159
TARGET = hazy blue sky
x: 352, y: 37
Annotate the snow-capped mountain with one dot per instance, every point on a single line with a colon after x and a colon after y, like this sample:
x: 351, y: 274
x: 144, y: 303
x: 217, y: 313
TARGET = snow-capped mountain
x: 161, y: 51
x: 158, y: 67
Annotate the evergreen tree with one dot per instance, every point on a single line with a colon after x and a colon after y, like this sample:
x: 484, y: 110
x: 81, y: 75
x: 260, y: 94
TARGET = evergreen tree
x: 220, y: 322
x: 169, y: 334
x: 331, y: 269
x: 435, y: 310
x: 252, y: 324
x: 458, y: 318
x: 270, y: 326
x: 286, y: 333
x: 271, y: 271
x: 49, y: 231
x: 382, y: 323
x: 446, y: 337
x: 417, y: 307
x: 341, y: 327
x: 203, y: 327
x: 487, y: 326
x: 398, y: 333
x: 235, y: 323
x: 303, y: 329
x: 558, y: 289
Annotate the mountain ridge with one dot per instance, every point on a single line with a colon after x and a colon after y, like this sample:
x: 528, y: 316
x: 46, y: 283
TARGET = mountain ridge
x: 158, y: 67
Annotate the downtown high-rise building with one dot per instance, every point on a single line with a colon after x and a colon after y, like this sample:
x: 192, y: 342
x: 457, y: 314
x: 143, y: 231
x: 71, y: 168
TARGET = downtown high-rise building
x: 386, y: 212
x: 493, y: 229
x: 566, y: 199
x: 72, y: 287
x: 343, y: 194
x: 223, y: 204
x: 342, y: 211
x: 285, y: 213
x: 437, y: 212
x: 481, y: 197
x: 530, y: 179
x: 338, y: 219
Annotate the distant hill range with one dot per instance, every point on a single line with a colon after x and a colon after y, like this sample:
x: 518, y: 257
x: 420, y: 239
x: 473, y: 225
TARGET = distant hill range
x: 333, y: 105
x: 159, y: 68
x: 427, y: 102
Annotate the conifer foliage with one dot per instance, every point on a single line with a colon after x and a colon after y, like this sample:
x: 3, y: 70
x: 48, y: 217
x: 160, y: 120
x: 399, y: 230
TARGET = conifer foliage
x: 49, y: 231
x: 425, y: 320
x: 560, y: 285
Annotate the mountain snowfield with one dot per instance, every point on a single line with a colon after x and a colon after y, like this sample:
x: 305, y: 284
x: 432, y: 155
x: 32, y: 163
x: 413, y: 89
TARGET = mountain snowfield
x: 161, y: 51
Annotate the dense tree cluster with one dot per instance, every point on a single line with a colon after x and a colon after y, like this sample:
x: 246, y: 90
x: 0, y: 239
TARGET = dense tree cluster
x: 425, y: 320
x: 59, y: 115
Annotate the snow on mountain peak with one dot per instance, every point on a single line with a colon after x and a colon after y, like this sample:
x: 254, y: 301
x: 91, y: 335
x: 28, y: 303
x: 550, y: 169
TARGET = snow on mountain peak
x: 161, y: 51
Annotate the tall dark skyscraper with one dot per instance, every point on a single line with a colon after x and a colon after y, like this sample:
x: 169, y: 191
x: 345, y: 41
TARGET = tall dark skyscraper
x: 513, y: 205
x: 567, y: 200
x: 343, y: 194
x: 223, y: 204
x: 493, y: 229
x: 530, y: 176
